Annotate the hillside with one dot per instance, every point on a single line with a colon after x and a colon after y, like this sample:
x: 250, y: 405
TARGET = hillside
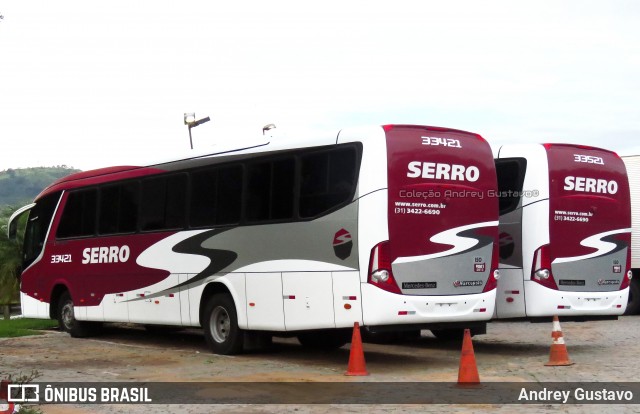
x: 20, y: 186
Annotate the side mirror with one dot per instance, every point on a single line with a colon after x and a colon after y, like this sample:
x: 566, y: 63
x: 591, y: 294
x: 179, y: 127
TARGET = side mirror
x: 12, y: 228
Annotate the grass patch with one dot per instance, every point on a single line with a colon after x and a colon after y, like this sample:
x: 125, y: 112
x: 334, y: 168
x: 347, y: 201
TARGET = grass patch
x: 24, y: 327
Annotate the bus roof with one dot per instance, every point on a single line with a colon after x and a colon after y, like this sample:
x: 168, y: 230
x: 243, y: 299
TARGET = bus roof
x: 266, y: 143
x: 109, y: 174
x: 431, y: 128
x: 578, y: 146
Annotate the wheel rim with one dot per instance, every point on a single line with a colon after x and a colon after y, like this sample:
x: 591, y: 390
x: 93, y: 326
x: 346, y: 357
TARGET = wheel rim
x: 67, y: 315
x: 220, y: 324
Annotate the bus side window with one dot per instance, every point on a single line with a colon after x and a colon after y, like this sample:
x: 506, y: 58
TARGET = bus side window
x: 283, y: 189
x: 328, y: 180
x: 119, y: 208
x: 79, y: 215
x: 510, y: 172
x: 163, y: 203
x: 203, y: 197
x: 270, y: 190
x: 229, y: 195
x: 216, y: 196
x: 258, y: 191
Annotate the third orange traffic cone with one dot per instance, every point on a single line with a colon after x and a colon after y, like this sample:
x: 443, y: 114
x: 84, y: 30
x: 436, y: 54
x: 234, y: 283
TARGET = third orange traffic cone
x: 468, y: 371
x: 356, y: 355
x: 558, y: 355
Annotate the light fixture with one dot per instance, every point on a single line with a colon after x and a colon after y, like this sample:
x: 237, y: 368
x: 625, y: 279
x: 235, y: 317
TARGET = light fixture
x: 268, y: 127
x: 189, y: 118
x: 190, y: 122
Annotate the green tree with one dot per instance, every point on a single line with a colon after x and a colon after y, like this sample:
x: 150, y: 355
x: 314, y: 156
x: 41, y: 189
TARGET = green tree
x: 10, y: 263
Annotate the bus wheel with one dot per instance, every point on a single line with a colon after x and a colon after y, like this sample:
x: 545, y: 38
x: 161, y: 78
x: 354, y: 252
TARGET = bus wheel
x: 325, y: 340
x: 220, y: 323
x: 67, y: 321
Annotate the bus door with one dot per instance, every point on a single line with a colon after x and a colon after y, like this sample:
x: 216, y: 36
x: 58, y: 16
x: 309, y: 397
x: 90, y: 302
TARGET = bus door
x: 510, y: 296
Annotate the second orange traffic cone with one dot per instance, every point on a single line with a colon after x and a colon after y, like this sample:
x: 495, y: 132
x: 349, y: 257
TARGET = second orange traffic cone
x: 356, y: 355
x: 468, y: 371
x: 558, y: 355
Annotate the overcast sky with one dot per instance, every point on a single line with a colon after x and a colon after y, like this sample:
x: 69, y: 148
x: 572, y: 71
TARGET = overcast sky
x: 92, y: 84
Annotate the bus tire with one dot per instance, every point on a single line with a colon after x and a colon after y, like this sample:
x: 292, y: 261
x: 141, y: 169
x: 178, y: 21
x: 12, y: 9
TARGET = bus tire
x: 67, y: 321
x: 325, y: 340
x: 633, y: 306
x: 220, y: 323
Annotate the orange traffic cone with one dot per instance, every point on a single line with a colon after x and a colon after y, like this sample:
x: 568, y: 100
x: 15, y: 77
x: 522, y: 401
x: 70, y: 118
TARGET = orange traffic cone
x: 356, y: 355
x: 468, y: 372
x: 558, y: 355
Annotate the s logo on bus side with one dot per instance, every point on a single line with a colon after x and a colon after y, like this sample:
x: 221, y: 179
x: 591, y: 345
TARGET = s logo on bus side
x: 342, y: 244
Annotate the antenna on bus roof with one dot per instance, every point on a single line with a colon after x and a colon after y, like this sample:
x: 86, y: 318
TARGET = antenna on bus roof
x: 267, y: 128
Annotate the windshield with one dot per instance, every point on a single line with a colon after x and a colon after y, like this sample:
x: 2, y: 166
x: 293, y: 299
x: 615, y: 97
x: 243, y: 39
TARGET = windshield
x: 38, y: 225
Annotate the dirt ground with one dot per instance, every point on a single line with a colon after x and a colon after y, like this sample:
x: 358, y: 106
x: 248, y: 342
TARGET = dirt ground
x: 604, y: 351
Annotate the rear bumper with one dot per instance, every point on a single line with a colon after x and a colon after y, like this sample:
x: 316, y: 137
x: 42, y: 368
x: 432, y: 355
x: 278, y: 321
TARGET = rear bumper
x: 384, y: 308
x: 542, y: 301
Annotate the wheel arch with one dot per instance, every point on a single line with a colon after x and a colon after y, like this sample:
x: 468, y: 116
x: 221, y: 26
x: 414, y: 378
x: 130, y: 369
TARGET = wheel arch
x: 56, y: 293
x: 222, y: 285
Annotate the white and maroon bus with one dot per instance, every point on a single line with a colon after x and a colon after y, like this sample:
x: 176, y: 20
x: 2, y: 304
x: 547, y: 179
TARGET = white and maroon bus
x: 565, y: 230
x: 385, y: 226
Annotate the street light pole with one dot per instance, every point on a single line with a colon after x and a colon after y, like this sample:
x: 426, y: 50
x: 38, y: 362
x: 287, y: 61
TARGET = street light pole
x: 190, y: 122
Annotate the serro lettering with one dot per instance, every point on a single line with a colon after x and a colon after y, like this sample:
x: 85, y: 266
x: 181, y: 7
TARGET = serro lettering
x: 590, y: 185
x: 438, y: 171
x: 106, y: 254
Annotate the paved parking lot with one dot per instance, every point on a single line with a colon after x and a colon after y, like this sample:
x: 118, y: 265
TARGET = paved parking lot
x: 604, y: 351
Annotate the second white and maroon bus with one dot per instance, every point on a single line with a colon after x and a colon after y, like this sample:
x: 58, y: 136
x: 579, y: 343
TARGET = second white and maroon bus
x: 565, y: 232
x: 384, y: 226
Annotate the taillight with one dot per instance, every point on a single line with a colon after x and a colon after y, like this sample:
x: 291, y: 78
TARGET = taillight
x: 541, y: 269
x: 494, y: 275
x: 380, y: 273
